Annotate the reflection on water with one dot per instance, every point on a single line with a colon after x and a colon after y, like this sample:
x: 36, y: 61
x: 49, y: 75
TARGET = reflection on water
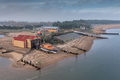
x: 2, y: 35
x: 102, y: 62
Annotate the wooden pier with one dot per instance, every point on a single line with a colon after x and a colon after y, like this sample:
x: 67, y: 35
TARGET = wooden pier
x: 110, y: 33
x: 89, y: 34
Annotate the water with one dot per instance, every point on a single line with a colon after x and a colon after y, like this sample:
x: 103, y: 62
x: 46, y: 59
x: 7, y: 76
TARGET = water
x: 102, y: 62
x: 2, y: 35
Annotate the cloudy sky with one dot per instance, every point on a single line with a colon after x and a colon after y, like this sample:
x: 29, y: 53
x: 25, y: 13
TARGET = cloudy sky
x: 58, y: 10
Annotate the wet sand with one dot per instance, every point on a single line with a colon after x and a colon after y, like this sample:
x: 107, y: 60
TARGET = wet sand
x: 15, y: 57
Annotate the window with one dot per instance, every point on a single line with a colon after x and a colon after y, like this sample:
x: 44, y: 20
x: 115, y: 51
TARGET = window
x: 17, y: 43
x: 28, y: 44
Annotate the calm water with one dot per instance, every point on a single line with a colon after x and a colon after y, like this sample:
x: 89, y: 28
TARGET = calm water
x: 102, y: 62
x: 2, y: 35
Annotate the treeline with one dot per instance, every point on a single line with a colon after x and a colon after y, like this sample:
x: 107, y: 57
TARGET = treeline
x: 10, y: 27
x: 86, y: 23
x: 20, y: 27
x: 32, y: 26
x: 51, y: 39
x: 64, y: 25
x: 103, y: 21
x: 72, y: 24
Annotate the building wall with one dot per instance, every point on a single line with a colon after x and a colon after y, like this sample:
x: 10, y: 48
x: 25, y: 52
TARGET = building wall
x: 19, y: 43
x: 12, y: 40
x: 28, y: 43
x: 35, y: 38
x: 51, y: 30
x: 22, y: 44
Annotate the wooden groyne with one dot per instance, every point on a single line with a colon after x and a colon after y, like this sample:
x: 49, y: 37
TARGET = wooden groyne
x: 7, y: 51
x: 91, y: 35
x: 68, y: 52
x: 1, y: 48
x: 31, y: 64
x: 79, y: 48
x: 110, y: 33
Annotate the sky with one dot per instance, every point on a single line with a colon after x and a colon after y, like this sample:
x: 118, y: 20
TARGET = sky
x: 58, y: 10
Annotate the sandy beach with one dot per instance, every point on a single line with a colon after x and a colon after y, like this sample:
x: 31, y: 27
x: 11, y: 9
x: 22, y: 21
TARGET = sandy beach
x: 102, y: 28
x: 36, y: 55
x: 45, y: 58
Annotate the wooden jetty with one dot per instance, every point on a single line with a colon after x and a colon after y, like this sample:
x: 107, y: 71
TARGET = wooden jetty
x: 110, y: 33
x: 89, y: 34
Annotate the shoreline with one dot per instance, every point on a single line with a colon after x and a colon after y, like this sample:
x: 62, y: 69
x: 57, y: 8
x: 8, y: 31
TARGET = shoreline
x: 103, y: 28
x: 50, y: 59
x: 13, y: 56
x: 46, y: 59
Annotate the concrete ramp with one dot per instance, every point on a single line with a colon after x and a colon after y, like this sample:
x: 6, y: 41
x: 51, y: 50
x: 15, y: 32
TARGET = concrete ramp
x: 26, y: 53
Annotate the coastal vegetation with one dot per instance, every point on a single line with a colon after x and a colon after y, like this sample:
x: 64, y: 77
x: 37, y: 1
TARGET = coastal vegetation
x: 103, y: 21
x: 83, y: 23
x: 20, y: 27
x: 52, y: 38
x: 71, y: 24
x: 63, y: 25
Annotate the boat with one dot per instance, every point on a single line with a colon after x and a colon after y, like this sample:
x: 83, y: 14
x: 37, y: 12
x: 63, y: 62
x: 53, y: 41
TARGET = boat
x: 48, y: 48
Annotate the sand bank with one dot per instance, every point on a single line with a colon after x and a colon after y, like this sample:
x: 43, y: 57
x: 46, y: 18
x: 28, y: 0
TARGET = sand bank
x: 48, y: 59
x: 102, y: 28
x: 45, y: 58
